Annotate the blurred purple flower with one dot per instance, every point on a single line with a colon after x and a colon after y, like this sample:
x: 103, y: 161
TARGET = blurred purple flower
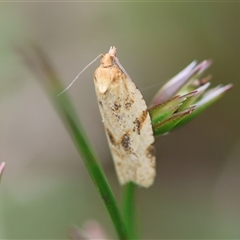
x: 2, y: 167
x: 91, y: 230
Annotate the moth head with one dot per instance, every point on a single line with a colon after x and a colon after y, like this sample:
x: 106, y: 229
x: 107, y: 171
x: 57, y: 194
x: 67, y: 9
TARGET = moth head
x: 104, y: 75
x: 108, y: 59
x: 106, y: 78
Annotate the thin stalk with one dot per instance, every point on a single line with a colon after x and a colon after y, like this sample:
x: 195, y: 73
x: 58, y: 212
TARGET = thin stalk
x: 129, y: 207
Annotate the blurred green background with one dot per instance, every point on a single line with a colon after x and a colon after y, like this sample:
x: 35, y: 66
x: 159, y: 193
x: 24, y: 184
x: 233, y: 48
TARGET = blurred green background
x: 45, y: 188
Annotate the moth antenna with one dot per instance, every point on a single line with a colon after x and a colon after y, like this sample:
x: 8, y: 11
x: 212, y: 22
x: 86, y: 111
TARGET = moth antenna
x: 73, y: 81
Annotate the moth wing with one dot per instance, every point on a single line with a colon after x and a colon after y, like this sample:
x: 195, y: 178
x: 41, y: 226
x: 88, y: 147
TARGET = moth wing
x: 129, y: 131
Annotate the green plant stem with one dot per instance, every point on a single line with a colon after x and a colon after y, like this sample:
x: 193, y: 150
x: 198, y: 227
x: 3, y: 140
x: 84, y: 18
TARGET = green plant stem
x: 129, y: 207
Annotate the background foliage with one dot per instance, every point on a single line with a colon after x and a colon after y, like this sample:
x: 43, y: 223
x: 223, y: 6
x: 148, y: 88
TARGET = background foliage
x: 45, y: 188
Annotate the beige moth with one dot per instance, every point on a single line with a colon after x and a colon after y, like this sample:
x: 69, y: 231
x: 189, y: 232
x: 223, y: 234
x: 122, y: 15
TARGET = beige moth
x: 127, y: 122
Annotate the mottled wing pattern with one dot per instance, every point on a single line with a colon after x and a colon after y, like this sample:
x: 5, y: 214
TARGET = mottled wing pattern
x: 127, y: 123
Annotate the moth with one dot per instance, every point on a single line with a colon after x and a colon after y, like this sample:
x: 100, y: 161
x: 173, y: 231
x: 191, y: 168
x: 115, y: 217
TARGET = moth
x: 127, y: 122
